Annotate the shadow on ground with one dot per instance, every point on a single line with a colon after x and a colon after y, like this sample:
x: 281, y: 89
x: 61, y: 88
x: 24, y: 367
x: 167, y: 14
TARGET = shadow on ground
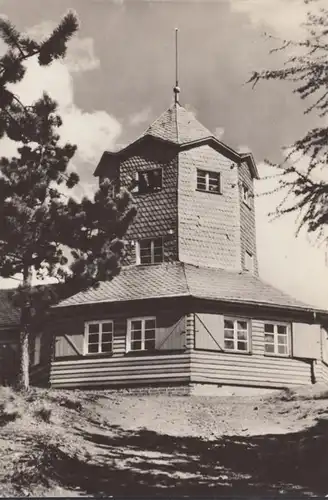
x: 146, y: 463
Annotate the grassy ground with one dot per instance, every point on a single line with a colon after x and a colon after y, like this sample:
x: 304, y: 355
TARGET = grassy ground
x: 65, y: 443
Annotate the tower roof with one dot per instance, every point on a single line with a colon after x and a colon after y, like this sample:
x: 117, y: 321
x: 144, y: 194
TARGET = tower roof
x: 180, y: 127
x: 177, y: 125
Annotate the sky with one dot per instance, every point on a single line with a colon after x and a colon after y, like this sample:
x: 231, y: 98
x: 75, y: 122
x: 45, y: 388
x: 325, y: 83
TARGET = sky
x: 119, y: 74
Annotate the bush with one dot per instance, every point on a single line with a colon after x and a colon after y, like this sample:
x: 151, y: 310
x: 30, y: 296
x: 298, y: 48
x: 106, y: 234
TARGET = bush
x: 9, y: 412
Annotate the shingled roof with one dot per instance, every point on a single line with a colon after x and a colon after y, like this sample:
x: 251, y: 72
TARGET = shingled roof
x: 185, y: 280
x: 178, y: 125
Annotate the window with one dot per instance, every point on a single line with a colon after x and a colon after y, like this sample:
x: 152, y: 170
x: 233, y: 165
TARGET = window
x: 208, y: 181
x: 99, y: 337
x: 246, y: 195
x: 37, y: 349
x: 150, y: 251
x: 148, y: 181
x: 276, y: 339
x: 141, y: 334
x: 249, y: 262
x: 236, y: 334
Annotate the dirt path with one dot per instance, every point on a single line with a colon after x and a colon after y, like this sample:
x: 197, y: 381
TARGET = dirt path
x: 99, y: 443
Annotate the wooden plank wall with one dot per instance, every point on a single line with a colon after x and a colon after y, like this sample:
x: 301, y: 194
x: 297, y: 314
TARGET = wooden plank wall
x: 243, y: 369
x: 254, y: 368
x: 127, y: 370
x: 120, y: 367
x: 321, y: 372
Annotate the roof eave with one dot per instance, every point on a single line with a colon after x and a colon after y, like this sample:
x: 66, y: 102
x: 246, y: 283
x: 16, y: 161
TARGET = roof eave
x: 231, y: 153
x: 270, y: 305
x: 119, y: 152
x: 278, y: 307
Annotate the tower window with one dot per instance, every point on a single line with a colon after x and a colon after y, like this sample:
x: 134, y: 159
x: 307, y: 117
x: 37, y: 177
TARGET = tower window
x: 208, y: 181
x: 249, y: 262
x: 246, y: 195
x: 150, y: 251
x: 149, y: 181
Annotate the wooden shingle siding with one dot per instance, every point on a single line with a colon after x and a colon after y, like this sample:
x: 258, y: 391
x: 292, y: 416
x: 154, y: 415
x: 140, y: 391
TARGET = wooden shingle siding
x: 255, y: 370
x: 156, y: 212
x: 209, y: 223
x: 124, y: 371
x: 247, y: 217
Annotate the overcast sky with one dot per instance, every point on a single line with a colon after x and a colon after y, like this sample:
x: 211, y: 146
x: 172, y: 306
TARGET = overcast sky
x: 119, y: 74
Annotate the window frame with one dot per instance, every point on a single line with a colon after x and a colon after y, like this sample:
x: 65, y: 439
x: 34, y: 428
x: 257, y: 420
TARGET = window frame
x: 87, y: 333
x: 275, y: 333
x: 235, y: 339
x: 208, y: 173
x: 143, y: 320
x: 245, y: 190
x: 152, y: 251
x: 136, y: 189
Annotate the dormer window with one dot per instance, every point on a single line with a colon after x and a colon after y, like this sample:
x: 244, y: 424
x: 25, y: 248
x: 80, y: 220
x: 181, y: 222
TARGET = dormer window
x: 208, y: 181
x: 150, y: 251
x: 246, y: 195
x: 149, y: 181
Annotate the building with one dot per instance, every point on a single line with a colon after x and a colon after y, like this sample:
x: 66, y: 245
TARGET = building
x: 188, y: 311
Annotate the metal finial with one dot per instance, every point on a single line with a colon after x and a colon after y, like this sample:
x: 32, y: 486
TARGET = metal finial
x: 176, y: 89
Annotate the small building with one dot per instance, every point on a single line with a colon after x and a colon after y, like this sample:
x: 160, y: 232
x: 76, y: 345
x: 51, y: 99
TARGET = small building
x: 189, y: 309
x: 9, y: 339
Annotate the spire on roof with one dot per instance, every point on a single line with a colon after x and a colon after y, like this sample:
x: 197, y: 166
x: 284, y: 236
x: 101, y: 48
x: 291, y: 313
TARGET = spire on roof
x: 176, y: 89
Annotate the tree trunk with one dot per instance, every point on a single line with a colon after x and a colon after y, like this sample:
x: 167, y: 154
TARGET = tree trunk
x: 24, y: 361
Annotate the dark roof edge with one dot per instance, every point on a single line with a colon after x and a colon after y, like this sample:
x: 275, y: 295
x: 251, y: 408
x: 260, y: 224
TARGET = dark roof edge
x: 126, y: 301
x: 117, y: 153
x: 300, y: 309
x: 305, y: 309
x: 231, y: 153
x: 212, y: 140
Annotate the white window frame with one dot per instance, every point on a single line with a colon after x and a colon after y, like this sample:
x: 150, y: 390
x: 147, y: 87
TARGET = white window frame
x: 275, y: 338
x: 152, y: 251
x: 206, y: 175
x: 143, y: 320
x: 249, y: 261
x: 86, y: 337
x: 235, y: 339
x: 246, y: 195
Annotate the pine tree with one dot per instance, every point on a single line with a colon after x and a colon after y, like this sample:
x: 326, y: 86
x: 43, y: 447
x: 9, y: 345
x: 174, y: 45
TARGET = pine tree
x: 306, y: 66
x: 43, y: 231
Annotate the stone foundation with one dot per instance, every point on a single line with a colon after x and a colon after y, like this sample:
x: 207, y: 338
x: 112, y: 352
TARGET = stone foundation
x: 153, y: 390
x: 191, y: 389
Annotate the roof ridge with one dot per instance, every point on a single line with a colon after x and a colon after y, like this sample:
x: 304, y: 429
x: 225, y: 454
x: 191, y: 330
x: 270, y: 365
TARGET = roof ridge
x: 176, y: 120
x: 185, y: 275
